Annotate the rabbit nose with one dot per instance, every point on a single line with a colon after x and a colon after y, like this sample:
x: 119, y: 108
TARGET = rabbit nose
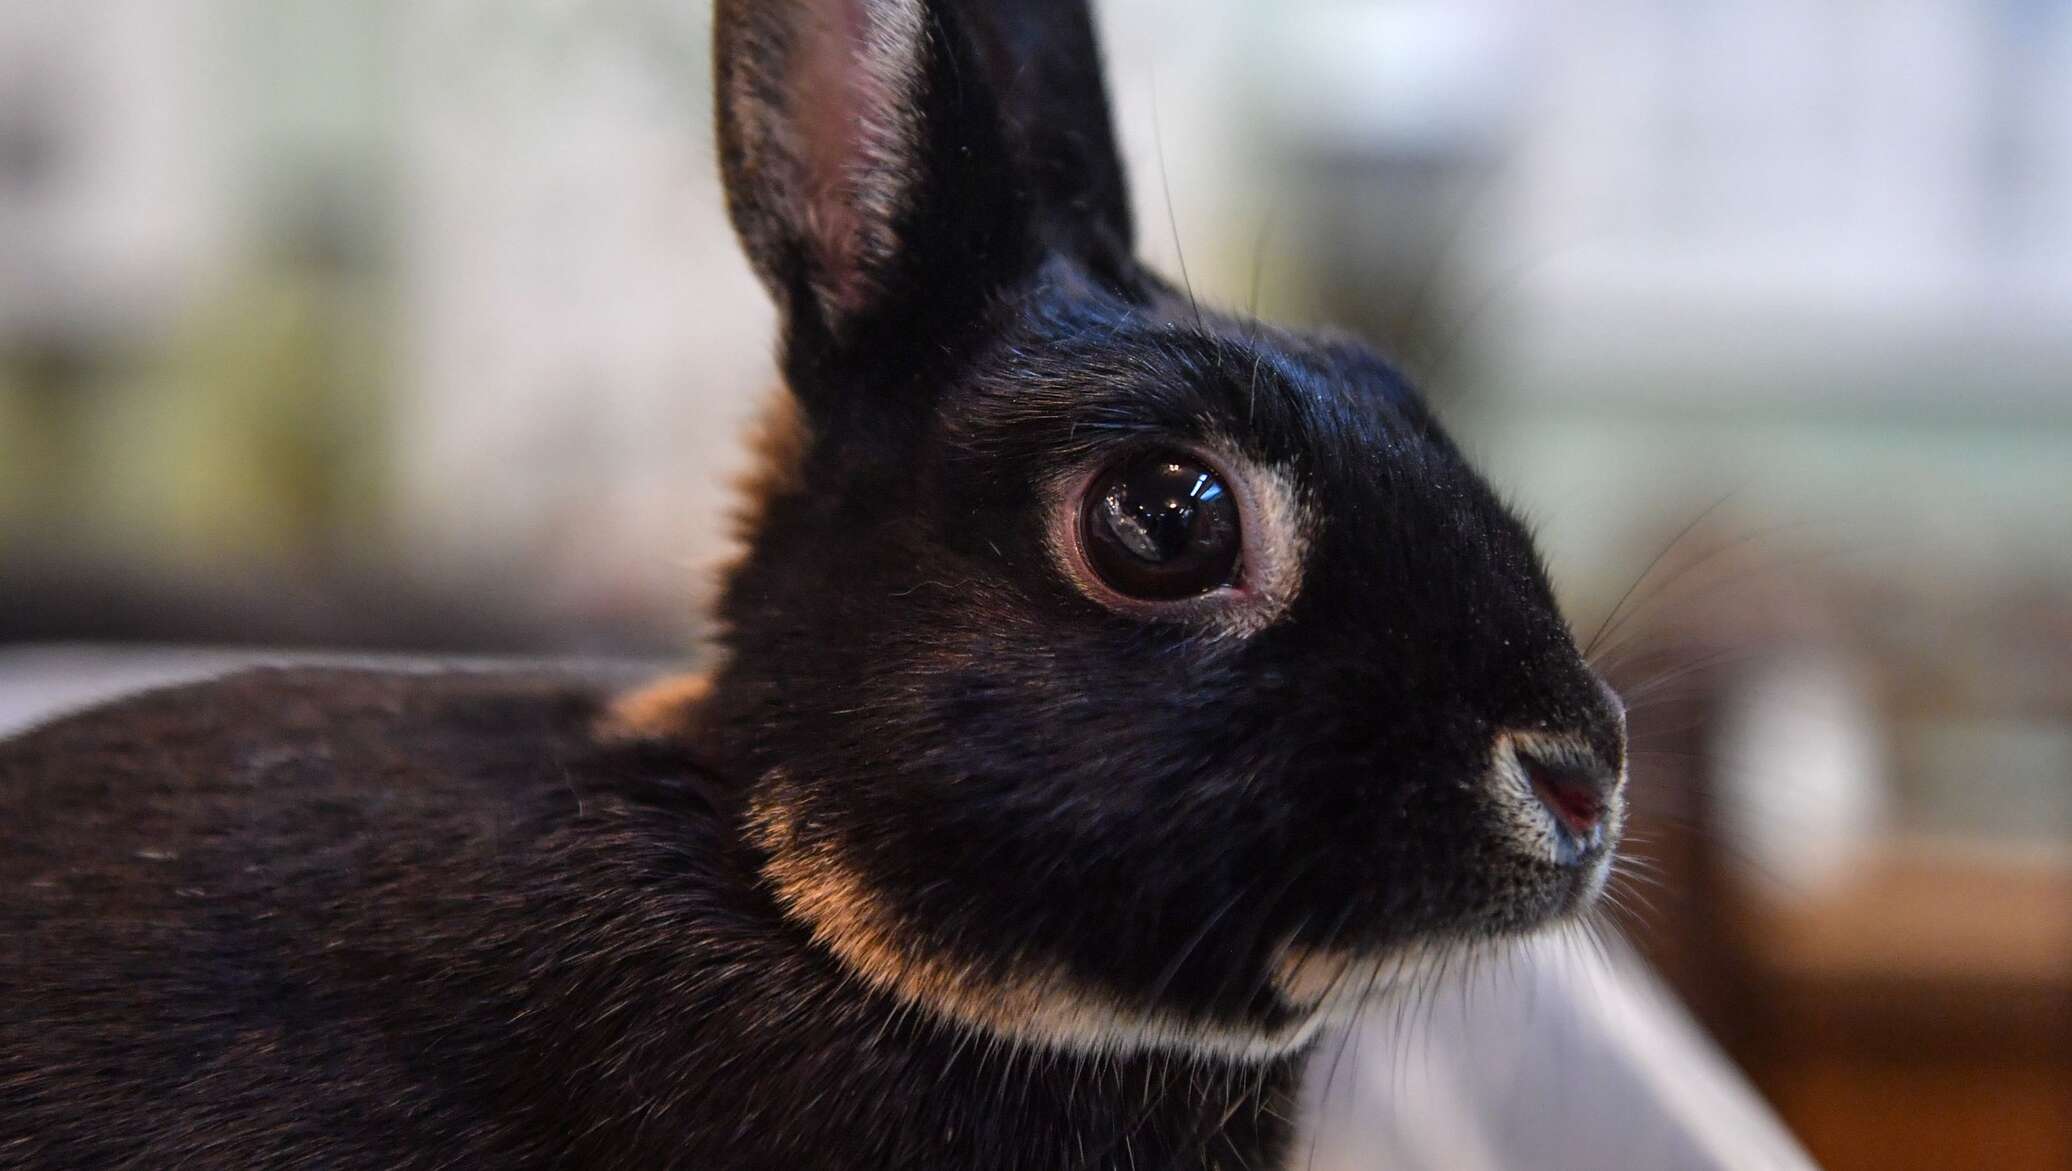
x: 1566, y: 794
x: 1576, y: 796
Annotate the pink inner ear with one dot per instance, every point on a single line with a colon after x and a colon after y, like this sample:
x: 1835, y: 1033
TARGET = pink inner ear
x: 847, y: 106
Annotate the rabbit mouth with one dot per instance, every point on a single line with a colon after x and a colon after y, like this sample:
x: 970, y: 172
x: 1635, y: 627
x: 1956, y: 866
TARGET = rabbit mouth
x: 1556, y: 810
x: 1332, y: 983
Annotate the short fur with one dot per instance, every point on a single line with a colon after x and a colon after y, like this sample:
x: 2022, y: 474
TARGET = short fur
x: 952, y: 863
x: 325, y: 919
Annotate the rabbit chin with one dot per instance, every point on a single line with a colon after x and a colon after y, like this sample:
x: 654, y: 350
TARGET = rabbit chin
x: 1039, y: 1006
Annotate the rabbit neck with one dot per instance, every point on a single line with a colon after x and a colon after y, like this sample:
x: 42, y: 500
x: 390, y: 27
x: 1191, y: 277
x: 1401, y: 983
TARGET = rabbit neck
x: 689, y: 1018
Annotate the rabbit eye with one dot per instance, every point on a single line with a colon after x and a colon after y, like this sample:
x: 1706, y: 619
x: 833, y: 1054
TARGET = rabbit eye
x: 1161, y: 527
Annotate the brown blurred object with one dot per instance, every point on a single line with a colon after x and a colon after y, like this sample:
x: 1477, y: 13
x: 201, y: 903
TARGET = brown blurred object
x: 1922, y: 1016
x: 1911, y: 1007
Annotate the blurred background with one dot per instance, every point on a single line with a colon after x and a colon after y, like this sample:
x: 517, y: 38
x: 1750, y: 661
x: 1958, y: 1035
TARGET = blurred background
x: 417, y: 326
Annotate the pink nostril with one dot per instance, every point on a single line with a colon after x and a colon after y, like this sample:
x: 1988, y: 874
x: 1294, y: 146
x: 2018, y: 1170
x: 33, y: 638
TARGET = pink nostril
x: 1576, y: 797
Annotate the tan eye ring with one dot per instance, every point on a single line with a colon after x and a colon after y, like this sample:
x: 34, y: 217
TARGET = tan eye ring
x: 1206, y: 537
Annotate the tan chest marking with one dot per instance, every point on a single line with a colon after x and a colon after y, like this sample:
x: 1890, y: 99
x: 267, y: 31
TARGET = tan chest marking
x: 1031, y: 1002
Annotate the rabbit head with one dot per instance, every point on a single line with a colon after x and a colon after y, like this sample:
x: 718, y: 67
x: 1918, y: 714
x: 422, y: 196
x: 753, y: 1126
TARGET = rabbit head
x: 1111, y: 674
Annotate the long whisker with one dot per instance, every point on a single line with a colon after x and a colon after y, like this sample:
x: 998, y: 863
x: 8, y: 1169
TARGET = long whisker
x: 1172, y: 218
x: 1778, y: 568
x: 1681, y: 533
x: 1640, y: 605
x: 1258, y: 265
x: 1186, y: 952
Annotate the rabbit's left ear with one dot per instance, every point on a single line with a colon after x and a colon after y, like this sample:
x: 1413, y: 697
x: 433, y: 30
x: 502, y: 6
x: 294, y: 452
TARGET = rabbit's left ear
x: 867, y: 168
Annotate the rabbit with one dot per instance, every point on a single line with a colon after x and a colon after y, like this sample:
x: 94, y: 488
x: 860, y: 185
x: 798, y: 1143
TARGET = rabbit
x: 1112, y: 693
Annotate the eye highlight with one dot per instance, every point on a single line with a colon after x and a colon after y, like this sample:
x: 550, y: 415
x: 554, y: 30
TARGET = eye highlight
x: 1161, y: 526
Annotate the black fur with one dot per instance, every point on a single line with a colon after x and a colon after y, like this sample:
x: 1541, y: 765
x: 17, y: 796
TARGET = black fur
x: 342, y: 920
x: 1054, y: 106
x: 345, y: 920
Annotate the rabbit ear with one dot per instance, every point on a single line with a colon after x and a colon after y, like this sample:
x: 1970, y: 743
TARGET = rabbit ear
x: 1045, y: 60
x: 867, y: 169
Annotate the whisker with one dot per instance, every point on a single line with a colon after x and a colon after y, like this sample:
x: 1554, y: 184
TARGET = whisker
x: 1172, y: 218
x: 1194, y: 942
x: 1777, y: 568
x: 1640, y: 605
x: 1258, y: 267
x: 1590, y: 647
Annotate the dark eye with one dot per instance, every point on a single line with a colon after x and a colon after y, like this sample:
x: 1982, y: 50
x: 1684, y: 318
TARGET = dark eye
x: 1161, y: 527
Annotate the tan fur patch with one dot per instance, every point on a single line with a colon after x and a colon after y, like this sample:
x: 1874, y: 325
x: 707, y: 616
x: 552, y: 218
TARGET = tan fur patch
x: 1335, y: 982
x: 1307, y: 976
x: 1280, y: 546
x: 1039, y: 1005
x: 777, y: 442
x: 666, y: 709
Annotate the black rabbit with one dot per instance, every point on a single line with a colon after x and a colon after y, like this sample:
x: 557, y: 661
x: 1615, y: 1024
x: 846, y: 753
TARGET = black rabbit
x: 1112, y: 693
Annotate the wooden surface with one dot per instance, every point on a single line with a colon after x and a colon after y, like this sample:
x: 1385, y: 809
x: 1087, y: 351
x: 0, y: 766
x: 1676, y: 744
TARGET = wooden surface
x: 1919, y: 1014
x: 1925, y: 911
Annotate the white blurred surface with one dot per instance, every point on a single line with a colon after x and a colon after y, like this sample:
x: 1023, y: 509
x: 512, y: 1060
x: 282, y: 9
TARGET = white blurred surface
x: 1561, y: 1057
